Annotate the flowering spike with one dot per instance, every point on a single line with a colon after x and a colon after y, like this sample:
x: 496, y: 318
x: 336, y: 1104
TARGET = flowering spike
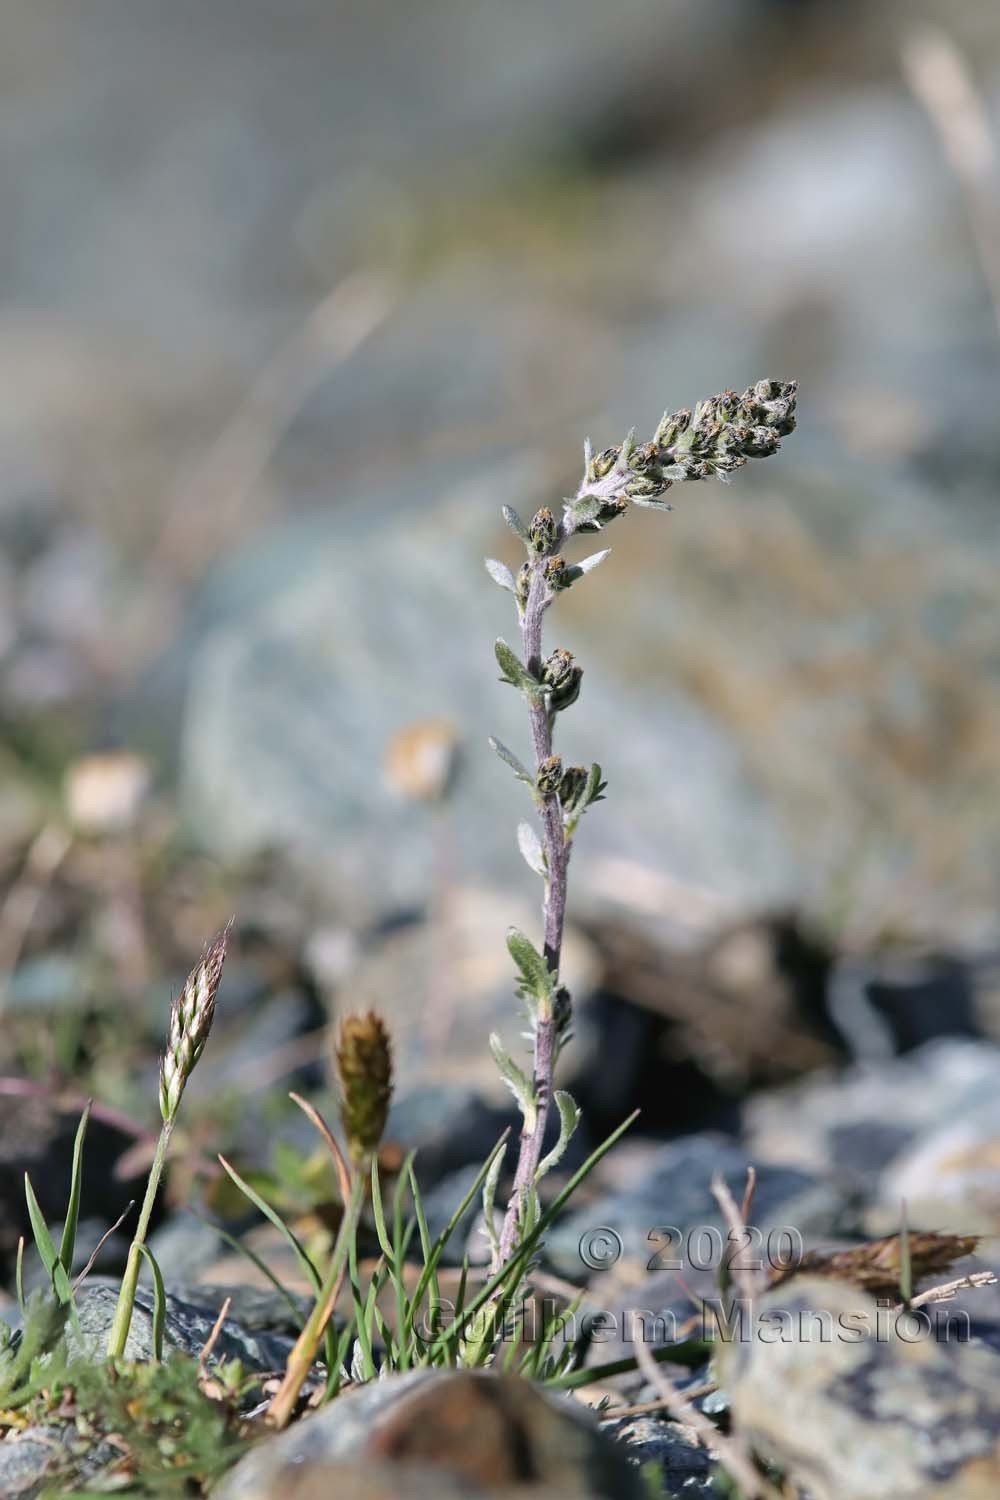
x: 190, y: 1022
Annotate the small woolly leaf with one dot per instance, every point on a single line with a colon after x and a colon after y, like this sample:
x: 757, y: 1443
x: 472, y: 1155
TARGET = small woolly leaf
x: 489, y: 1199
x: 510, y: 759
x: 516, y: 1080
x: 652, y: 504
x: 569, y: 1118
x: 595, y: 786
x: 514, y: 671
x: 500, y: 573
x: 536, y: 976
x: 516, y: 525
x: 571, y: 574
x: 531, y: 849
x: 585, y: 511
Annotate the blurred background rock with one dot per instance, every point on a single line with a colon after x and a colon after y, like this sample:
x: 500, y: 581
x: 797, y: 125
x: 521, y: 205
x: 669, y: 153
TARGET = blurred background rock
x: 292, y: 297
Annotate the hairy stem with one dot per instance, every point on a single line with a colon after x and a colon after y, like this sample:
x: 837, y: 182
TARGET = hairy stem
x: 554, y: 907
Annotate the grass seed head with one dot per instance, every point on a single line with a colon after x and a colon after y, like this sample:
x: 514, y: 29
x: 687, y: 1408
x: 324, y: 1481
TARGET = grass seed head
x: 190, y: 1022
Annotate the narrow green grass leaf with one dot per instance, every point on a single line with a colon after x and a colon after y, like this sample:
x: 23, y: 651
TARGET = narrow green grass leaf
x: 551, y: 1330
x: 255, y: 1260
x: 399, y: 1243
x: 426, y: 1250
x: 159, y: 1304
x: 67, y: 1245
x: 272, y: 1217
x: 341, y: 1354
x: 363, y: 1310
x: 19, y: 1274
x: 690, y: 1353
x: 381, y: 1231
x: 46, y: 1249
x: 432, y: 1261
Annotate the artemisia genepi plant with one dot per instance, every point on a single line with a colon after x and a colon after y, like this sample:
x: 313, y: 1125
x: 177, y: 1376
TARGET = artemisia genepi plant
x: 713, y: 441
x: 721, y: 435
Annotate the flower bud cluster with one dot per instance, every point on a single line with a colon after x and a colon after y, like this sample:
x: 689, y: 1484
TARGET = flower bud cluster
x: 721, y: 435
x: 569, y: 783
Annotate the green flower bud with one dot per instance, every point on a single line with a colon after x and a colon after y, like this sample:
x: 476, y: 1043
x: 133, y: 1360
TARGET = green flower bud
x: 562, y: 677
x: 671, y: 427
x: 647, y: 488
x: 555, y: 573
x: 543, y: 530
x: 562, y: 1009
x: 602, y: 464
x: 549, y: 776
x: 763, y: 441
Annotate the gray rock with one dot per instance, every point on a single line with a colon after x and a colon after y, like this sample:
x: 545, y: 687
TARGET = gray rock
x: 187, y: 1327
x: 47, y: 982
x: 663, y: 1209
x: 495, y: 1434
x: 292, y: 705
x: 46, y: 1459
x: 826, y: 1387
x: 27, y: 1458
x: 854, y: 1123
x: 948, y: 1176
x: 183, y: 1245
x: 682, y: 1470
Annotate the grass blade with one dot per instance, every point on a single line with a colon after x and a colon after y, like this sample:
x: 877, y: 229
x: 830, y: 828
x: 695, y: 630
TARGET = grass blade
x: 378, y: 1212
x: 690, y: 1353
x: 46, y: 1249
x: 279, y: 1224
x: 433, y: 1285
x: 67, y: 1245
x: 404, y: 1314
x: 159, y: 1304
x: 255, y: 1260
x: 364, y: 1311
x: 19, y: 1274
x: 432, y: 1261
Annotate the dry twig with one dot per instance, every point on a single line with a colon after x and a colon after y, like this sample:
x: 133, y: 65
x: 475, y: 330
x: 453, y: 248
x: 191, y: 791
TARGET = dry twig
x: 733, y: 1459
